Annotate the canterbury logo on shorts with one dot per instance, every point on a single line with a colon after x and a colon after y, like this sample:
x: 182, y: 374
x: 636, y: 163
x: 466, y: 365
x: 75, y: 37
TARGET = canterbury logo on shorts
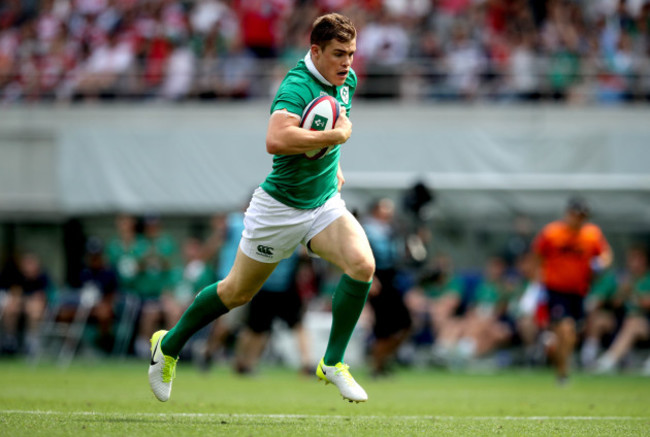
x: 266, y: 251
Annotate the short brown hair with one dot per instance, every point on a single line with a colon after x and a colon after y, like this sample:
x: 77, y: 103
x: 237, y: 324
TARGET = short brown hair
x: 332, y: 26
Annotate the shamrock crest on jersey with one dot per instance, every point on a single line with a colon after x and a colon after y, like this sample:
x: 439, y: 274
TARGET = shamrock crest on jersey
x: 344, y: 92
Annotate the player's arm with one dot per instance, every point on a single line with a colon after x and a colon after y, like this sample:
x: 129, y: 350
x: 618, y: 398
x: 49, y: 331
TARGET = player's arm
x: 284, y: 135
x: 539, y: 251
x: 602, y: 261
x: 605, y: 258
x: 644, y: 300
x: 340, y: 177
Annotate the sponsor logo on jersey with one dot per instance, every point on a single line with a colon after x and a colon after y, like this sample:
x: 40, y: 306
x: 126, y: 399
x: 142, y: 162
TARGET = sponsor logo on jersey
x: 345, y: 94
x: 266, y: 251
x: 323, y: 93
x: 319, y: 122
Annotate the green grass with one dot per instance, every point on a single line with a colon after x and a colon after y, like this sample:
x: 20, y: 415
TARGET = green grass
x: 114, y: 399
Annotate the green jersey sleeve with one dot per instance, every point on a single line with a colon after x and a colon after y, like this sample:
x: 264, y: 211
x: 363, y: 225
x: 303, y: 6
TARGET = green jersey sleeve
x: 292, y: 96
x: 640, y: 291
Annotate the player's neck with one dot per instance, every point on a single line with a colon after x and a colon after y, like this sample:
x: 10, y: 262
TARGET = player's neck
x: 573, y: 226
x: 314, y: 71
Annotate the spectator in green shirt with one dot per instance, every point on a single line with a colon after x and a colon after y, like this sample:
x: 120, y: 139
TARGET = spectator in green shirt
x: 488, y: 324
x: 125, y: 251
x: 605, y: 310
x: 154, y: 282
x: 436, y: 300
x: 635, y: 285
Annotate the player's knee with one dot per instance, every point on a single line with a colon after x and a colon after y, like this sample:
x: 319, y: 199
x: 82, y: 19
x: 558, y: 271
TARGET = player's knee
x: 232, y: 295
x: 362, y: 269
x: 567, y: 330
x: 234, y: 300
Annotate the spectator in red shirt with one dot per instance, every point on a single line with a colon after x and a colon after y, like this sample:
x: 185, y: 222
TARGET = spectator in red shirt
x: 260, y: 23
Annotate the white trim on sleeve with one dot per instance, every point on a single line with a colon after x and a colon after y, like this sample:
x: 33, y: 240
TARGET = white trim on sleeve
x: 287, y: 113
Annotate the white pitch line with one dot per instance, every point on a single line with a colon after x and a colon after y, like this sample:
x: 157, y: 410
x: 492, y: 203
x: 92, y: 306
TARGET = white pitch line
x: 314, y: 416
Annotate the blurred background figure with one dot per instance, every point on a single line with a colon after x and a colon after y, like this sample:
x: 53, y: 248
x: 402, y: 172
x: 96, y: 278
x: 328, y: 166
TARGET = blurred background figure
x: 98, y: 274
x: 604, y: 313
x: 192, y: 276
x: 179, y: 75
x: 235, y: 71
x: 418, y: 202
x: 435, y: 304
x: 383, y: 46
x: 124, y: 252
x: 635, y: 289
x: 569, y: 251
x: 529, y: 314
x: 154, y: 283
x: 277, y: 300
x: 221, y: 245
x: 28, y: 291
x: 488, y: 323
x: 464, y: 63
x: 100, y: 75
x: 392, y: 321
x: 518, y: 241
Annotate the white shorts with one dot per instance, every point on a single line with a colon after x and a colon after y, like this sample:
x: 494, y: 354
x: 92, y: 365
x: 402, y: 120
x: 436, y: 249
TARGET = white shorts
x: 273, y: 230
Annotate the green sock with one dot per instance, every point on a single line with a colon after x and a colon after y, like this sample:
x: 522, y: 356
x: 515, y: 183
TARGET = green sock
x: 206, y: 307
x: 347, y: 303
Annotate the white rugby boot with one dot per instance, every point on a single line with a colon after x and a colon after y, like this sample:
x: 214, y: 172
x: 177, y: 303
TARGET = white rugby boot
x: 162, y: 369
x: 340, y: 376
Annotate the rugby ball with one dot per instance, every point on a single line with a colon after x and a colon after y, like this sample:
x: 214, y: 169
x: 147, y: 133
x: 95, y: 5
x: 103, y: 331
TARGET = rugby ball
x: 320, y: 114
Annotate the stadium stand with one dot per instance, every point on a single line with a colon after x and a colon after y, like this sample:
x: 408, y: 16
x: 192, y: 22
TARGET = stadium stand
x: 518, y: 50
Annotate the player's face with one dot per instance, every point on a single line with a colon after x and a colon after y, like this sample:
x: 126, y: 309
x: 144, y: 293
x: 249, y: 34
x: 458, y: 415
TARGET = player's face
x: 335, y: 60
x: 575, y: 219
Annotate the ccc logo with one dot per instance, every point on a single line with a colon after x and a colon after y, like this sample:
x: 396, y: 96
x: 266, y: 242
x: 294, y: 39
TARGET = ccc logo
x: 265, y: 250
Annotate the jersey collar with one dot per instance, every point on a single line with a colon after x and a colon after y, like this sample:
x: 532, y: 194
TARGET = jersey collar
x: 312, y: 69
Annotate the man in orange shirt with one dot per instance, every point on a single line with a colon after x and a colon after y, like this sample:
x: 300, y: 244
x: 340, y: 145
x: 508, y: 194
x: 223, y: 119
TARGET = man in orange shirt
x: 569, y: 251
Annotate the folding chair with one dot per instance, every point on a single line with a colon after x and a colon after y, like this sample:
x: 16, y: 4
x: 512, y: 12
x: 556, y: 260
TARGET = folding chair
x: 129, y: 309
x: 67, y: 334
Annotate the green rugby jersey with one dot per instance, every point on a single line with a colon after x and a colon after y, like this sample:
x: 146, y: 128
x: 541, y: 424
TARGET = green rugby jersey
x: 295, y: 180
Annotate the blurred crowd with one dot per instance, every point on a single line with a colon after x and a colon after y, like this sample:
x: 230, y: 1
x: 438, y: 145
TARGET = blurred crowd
x: 568, y: 50
x: 421, y: 311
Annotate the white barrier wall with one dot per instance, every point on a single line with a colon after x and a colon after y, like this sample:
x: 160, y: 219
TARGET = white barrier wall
x: 484, y: 161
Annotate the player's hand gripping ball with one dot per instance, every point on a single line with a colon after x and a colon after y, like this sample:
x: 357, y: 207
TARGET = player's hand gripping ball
x: 320, y: 114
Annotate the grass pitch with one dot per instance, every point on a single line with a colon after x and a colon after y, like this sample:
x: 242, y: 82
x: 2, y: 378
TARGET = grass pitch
x: 113, y: 399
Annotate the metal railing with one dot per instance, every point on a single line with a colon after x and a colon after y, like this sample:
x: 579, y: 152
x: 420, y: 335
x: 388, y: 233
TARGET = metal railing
x: 414, y: 79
